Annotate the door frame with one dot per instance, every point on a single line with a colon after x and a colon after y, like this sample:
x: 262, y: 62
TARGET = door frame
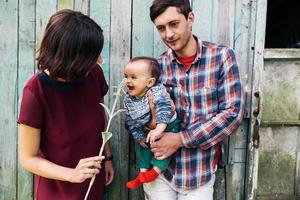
x: 260, y: 12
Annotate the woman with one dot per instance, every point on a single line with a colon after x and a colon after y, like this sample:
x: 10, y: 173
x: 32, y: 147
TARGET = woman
x: 61, y: 120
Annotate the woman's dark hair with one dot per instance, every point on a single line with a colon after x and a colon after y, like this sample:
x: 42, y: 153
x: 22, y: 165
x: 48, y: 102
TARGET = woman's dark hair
x: 71, y: 45
x: 152, y: 63
x: 159, y: 6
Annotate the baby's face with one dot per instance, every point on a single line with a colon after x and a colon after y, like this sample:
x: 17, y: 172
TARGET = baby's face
x: 138, y: 78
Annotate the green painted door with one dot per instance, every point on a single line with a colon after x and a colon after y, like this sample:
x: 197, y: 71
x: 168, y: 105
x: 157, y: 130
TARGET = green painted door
x: 274, y: 162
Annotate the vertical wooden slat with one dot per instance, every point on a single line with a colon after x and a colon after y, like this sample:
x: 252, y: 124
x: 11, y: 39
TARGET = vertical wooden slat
x: 64, y: 4
x: 297, y: 179
x: 225, y: 31
x: 43, y: 14
x: 259, y: 38
x: 236, y: 171
x: 25, y: 71
x: 242, y: 45
x: 8, y: 98
x: 203, y: 19
x: 142, y: 42
x: 120, y: 51
x: 158, y: 46
x: 235, y: 177
x: 100, y: 11
x: 142, y: 29
x: 84, y: 5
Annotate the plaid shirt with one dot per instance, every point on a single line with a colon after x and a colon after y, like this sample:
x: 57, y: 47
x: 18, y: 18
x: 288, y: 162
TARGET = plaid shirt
x: 209, y: 102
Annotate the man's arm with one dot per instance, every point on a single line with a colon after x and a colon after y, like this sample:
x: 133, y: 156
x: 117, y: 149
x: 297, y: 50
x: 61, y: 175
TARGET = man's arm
x: 230, y: 109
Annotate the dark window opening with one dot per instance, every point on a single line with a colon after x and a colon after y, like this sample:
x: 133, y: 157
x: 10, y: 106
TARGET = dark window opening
x: 283, y: 24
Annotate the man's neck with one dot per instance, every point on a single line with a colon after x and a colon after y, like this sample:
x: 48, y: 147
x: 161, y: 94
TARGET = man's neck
x: 190, y: 48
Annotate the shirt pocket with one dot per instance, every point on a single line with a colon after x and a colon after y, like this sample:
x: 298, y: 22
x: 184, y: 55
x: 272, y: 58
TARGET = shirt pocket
x: 207, y: 100
x: 173, y: 89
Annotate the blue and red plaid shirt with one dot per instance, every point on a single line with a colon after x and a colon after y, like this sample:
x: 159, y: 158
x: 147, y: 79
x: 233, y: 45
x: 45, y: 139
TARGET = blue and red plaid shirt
x: 208, y: 98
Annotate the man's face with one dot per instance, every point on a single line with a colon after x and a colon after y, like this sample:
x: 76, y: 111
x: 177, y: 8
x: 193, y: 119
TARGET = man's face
x: 175, y: 29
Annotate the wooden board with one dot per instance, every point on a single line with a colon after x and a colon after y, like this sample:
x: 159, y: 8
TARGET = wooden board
x: 8, y: 98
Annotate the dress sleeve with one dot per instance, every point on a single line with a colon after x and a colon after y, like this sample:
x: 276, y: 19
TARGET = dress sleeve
x: 31, y: 111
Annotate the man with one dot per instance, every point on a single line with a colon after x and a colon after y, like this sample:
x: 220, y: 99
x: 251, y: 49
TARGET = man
x: 203, y: 81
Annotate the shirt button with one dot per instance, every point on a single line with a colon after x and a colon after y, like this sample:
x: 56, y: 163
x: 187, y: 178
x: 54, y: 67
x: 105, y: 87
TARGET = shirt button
x: 187, y: 114
x: 186, y: 75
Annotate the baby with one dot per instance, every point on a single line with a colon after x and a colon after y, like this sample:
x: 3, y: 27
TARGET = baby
x: 142, y: 74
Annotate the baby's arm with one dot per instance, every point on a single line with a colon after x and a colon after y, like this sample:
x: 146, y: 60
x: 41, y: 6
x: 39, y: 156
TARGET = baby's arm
x: 156, y: 133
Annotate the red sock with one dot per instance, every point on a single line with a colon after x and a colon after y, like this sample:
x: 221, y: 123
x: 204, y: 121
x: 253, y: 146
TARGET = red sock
x: 133, y: 184
x: 148, y: 176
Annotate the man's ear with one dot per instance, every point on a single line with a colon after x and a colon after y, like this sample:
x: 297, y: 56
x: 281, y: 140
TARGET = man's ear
x: 151, y: 82
x: 191, y: 18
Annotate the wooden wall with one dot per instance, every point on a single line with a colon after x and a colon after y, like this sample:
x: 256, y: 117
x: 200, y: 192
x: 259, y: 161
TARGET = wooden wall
x: 128, y: 32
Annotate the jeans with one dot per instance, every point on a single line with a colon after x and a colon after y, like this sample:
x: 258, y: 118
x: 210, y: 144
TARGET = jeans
x: 161, y: 189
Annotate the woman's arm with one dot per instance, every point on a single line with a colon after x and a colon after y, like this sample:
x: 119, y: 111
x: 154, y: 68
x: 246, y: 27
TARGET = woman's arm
x: 29, y: 142
x: 108, y: 163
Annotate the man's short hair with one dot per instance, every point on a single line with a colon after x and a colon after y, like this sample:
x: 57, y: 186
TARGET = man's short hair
x: 71, y: 45
x: 159, y: 6
x: 152, y: 64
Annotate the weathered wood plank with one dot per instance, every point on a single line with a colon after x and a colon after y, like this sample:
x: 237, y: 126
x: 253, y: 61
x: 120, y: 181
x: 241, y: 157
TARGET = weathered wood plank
x: 142, y: 29
x: 281, y: 53
x: 259, y: 40
x: 43, y: 14
x: 100, y: 11
x: 225, y: 13
x: 297, y: 179
x: 242, y: 45
x: 84, y: 5
x: 235, y: 169
x: 8, y: 98
x: 203, y: 19
x: 65, y: 4
x: 234, y: 190
x: 25, y: 71
x: 142, y: 42
x: 120, y: 50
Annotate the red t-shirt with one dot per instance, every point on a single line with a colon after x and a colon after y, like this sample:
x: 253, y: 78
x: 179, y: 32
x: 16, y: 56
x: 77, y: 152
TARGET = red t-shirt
x: 187, y: 61
x: 71, y: 121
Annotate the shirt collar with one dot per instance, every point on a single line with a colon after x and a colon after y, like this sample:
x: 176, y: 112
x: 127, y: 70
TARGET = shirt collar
x: 172, y: 56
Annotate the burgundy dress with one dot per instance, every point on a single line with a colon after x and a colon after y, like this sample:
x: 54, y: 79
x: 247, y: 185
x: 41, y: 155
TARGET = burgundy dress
x: 71, y: 121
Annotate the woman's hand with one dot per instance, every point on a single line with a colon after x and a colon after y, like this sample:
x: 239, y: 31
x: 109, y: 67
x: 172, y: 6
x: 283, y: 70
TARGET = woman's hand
x: 109, y: 171
x: 86, y: 168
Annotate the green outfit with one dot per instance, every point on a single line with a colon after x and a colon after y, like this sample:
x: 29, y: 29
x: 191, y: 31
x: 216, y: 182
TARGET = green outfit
x: 147, y: 159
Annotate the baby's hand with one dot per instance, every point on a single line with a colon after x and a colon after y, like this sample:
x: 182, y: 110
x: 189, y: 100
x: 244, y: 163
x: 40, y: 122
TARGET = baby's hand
x: 153, y: 135
x: 143, y: 143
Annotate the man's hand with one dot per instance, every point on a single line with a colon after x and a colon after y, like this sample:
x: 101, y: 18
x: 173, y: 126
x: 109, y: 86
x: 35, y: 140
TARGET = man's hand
x: 166, y: 146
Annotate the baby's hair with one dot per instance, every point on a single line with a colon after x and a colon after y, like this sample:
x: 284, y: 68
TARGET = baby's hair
x: 152, y: 63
